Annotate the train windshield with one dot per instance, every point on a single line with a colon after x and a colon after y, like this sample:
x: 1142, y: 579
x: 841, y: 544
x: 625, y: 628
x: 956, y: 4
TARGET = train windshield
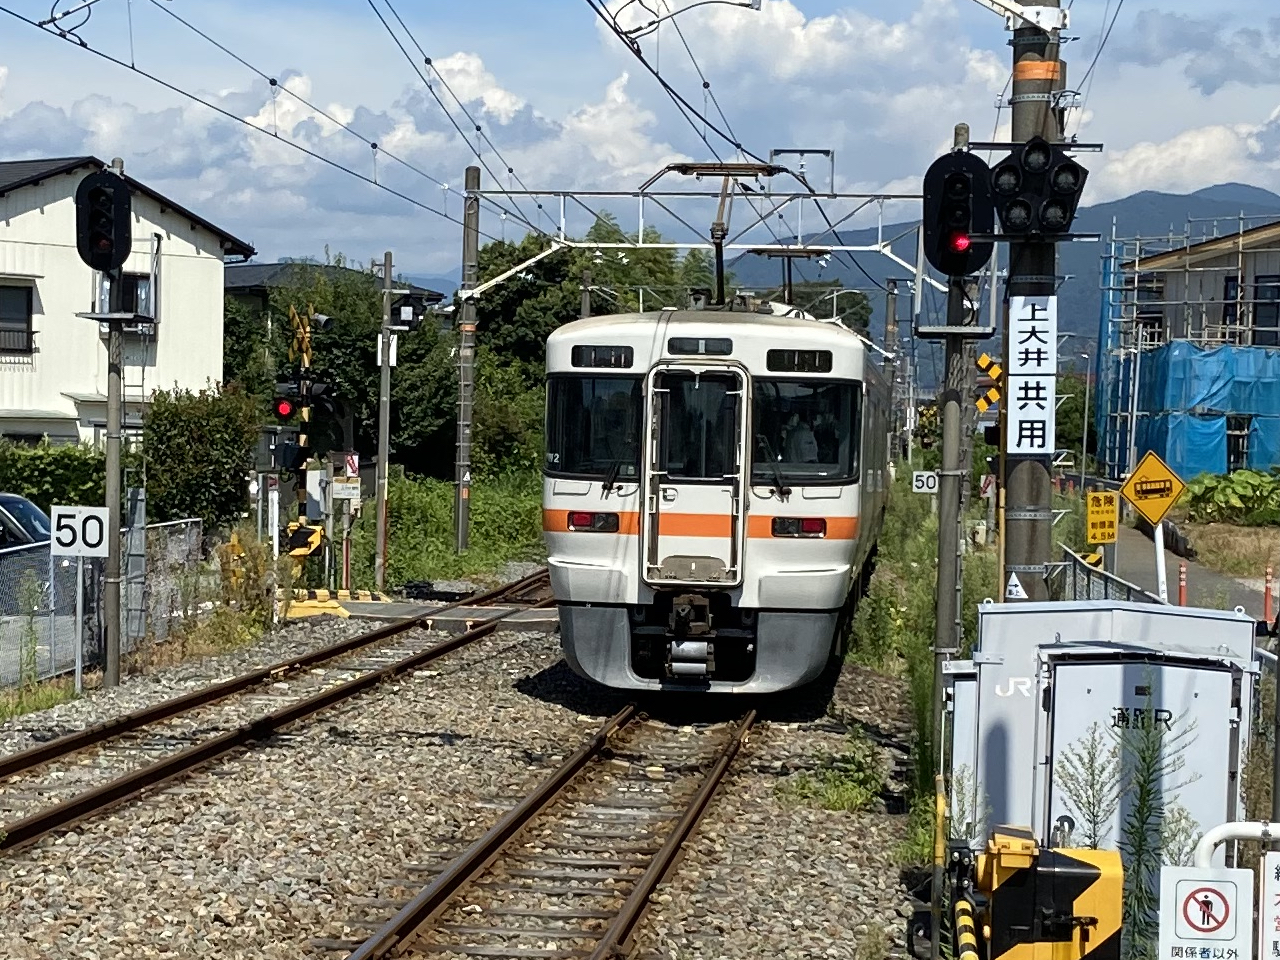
x: 593, y: 426
x: 809, y: 428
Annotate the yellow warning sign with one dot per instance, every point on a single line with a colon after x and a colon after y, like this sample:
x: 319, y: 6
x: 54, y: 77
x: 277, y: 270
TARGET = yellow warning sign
x: 1102, y: 514
x: 1153, y: 488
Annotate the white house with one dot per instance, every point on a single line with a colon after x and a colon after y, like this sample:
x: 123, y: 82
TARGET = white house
x: 53, y: 364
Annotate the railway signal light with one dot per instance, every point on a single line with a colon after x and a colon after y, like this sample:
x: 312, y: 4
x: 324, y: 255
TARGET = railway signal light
x: 283, y: 404
x: 104, y: 233
x: 1037, y: 189
x: 957, y: 205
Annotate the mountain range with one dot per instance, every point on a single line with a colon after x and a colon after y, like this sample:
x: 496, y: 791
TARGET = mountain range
x: 1148, y: 214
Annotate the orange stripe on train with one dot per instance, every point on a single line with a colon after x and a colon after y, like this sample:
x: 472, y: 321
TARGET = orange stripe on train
x: 759, y: 526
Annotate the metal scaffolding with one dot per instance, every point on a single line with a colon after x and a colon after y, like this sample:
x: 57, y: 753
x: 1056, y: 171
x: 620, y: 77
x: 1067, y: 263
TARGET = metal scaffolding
x: 1202, y: 286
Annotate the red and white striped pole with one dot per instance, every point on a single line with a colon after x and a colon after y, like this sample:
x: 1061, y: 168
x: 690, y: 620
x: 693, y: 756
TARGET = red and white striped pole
x: 1182, y: 584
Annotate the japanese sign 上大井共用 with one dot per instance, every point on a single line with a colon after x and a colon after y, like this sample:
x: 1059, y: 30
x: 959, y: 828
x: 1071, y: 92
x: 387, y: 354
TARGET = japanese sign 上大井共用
x: 1031, y: 379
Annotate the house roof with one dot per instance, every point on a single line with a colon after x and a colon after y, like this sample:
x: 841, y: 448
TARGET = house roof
x: 1253, y: 238
x: 263, y: 276
x: 16, y: 174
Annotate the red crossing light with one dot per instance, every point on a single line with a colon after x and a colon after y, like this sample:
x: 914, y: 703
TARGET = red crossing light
x: 283, y: 407
x: 960, y: 242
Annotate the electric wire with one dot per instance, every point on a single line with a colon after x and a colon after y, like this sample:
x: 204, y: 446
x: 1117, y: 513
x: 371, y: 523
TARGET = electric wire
x: 467, y: 113
x: 276, y: 85
x: 688, y: 109
x: 231, y: 116
x: 430, y: 89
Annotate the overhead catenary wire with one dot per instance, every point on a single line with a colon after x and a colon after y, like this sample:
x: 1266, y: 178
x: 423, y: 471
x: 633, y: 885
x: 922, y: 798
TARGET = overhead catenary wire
x: 1086, y: 82
x: 467, y: 113
x: 430, y: 89
x: 174, y: 88
x: 690, y: 113
x: 277, y: 86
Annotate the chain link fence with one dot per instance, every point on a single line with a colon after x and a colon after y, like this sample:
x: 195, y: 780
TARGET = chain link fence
x: 1074, y: 579
x: 49, y: 604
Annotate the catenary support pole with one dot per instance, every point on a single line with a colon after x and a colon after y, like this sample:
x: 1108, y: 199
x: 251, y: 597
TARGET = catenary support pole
x: 585, y: 309
x: 891, y: 366
x: 384, y: 425
x: 466, y: 357
x: 1028, y: 513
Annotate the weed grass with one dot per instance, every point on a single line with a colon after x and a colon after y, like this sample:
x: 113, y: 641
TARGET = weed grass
x: 1235, y: 551
x: 506, y: 525
x: 33, y: 697
x: 850, y: 781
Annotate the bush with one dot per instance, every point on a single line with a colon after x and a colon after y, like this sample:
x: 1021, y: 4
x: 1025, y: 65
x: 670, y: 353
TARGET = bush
x: 1249, y: 498
x: 47, y: 474
x: 199, y: 449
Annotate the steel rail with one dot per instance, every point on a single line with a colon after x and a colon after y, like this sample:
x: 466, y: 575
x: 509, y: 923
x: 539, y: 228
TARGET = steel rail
x: 133, y: 784
x: 461, y: 871
x: 432, y: 899
x: 90, y: 736
x: 633, y: 909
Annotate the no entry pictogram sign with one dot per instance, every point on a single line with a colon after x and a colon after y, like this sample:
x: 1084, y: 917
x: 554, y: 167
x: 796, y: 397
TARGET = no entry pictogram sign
x: 1206, y: 910
x: 1201, y: 907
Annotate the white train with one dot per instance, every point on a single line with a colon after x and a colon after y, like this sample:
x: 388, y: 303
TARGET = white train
x: 715, y: 484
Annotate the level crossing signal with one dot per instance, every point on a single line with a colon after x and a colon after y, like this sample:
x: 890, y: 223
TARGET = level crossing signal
x: 1037, y: 189
x: 958, y: 207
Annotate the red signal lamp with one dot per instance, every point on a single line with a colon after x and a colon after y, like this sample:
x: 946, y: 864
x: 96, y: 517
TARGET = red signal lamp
x: 283, y: 407
x: 960, y: 242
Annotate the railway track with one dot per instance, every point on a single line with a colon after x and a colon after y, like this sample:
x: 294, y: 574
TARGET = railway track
x: 111, y: 763
x: 569, y: 870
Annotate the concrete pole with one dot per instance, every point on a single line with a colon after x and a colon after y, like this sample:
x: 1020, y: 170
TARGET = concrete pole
x: 467, y: 358
x: 1028, y: 515
x: 384, y: 425
x: 585, y: 310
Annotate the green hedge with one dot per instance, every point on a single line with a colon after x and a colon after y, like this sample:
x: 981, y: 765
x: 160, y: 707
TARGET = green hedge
x: 198, y: 449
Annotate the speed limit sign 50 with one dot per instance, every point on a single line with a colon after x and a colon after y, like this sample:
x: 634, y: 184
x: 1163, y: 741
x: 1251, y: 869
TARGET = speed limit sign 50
x: 79, y: 531
x: 924, y: 481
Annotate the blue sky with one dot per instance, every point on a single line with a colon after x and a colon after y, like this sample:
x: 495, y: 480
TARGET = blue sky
x: 880, y: 81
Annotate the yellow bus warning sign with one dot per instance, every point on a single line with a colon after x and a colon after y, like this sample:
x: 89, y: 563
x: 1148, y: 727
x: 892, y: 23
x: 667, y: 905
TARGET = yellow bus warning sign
x: 1153, y: 488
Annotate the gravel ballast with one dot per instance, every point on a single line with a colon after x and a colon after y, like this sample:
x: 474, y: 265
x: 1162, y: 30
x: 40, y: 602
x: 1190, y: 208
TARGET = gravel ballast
x: 270, y: 848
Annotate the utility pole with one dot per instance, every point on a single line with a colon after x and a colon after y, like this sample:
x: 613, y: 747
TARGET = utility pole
x: 1038, y: 75
x: 384, y: 424
x: 585, y: 310
x: 467, y: 356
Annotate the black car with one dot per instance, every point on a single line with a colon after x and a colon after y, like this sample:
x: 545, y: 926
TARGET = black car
x: 22, y: 522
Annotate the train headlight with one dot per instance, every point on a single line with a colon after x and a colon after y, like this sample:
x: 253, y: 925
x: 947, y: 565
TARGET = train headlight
x: 799, y: 527
x: 583, y: 522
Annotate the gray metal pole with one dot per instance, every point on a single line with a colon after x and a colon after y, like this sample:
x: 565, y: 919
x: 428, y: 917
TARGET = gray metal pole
x: 111, y: 599
x: 947, y: 623
x: 384, y: 426
x: 585, y: 310
x: 79, y: 624
x: 891, y: 366
x: 467, y: 357
x: 1028, y: 516
x: 1084, y: 432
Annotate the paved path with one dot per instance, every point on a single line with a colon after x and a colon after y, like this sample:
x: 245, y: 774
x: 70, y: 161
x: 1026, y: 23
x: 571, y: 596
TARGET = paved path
x: 1136, y: 562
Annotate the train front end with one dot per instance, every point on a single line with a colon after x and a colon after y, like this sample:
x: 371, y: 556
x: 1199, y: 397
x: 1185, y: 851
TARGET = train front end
x: 702, y: 497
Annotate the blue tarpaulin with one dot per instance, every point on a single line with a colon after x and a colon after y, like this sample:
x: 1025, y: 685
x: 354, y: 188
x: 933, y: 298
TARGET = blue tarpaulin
x: 1190, y: 445
x: 1182, y: 377
x: 1264, y: 443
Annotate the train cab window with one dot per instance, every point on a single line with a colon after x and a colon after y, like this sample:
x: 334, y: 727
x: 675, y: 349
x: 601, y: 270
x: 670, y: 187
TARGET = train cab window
x: 593, y: 426
x: 810, y: 429
x: 699, y: 414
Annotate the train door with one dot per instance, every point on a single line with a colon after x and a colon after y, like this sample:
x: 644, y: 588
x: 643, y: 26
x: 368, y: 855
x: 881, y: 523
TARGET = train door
x: 693, y: 529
